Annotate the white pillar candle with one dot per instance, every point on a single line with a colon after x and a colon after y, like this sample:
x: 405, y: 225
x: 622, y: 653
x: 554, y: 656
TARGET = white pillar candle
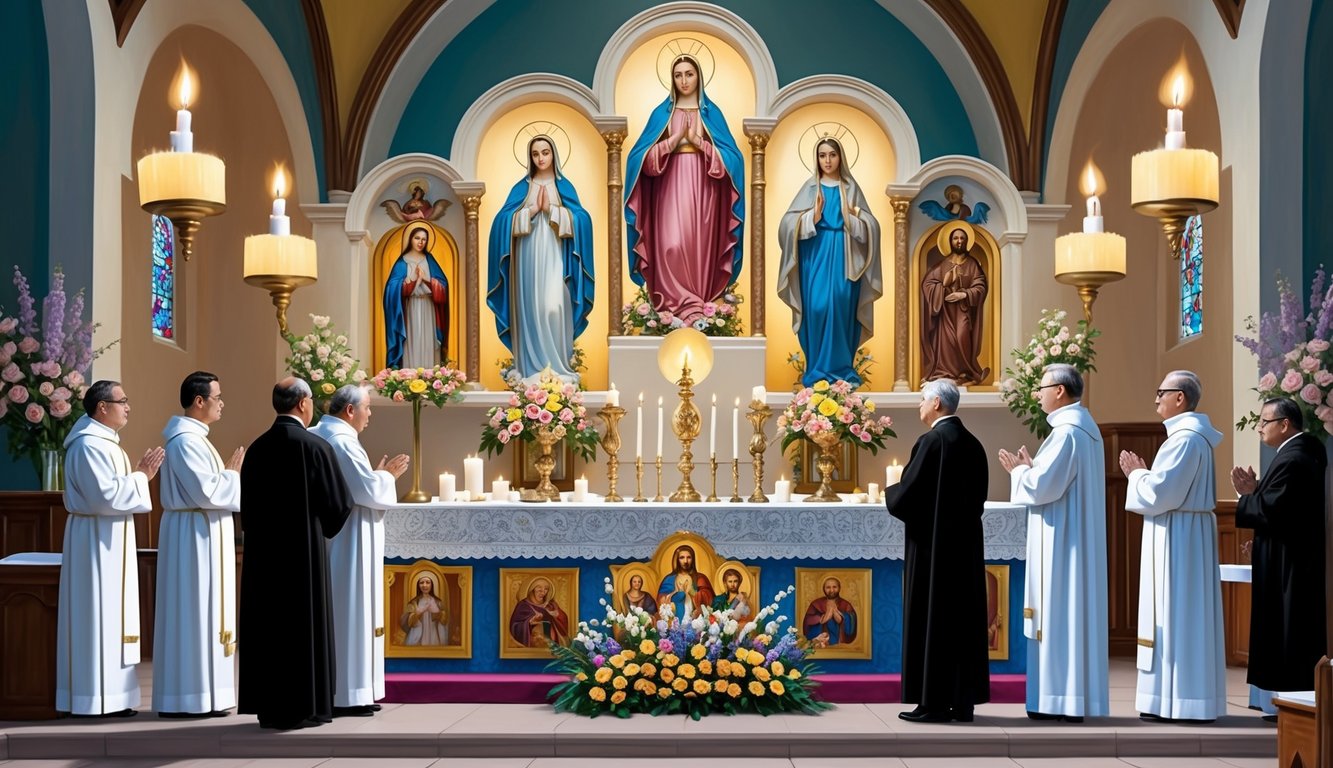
x: 659, y: 427
x: 182, y: 139
x: 580, y: 490
x: 872, y: 492
x: 279, y: 223
x: 758, y: 394
x: 782, y: 490
x: 893, y: 474
x: 712, y: 428
x: 448, y: 487
x: 736, y: 430
x: 613, y: 396
x: 500, y: 490
x: 472, y: 476
x: 638, y: 439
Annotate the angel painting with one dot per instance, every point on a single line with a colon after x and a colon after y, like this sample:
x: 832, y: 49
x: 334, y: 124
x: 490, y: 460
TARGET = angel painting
x: 955, y: 208
x: 417, y: 207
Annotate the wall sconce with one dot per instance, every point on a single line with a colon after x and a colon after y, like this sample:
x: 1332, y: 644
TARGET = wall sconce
x: 1174, y: 183
x: 684, y: 353
x: 1091, y: 258
x: 183, y: 185
x: 280, y: 262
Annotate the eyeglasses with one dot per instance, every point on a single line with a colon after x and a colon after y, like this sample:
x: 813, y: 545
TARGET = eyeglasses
x: 1265, y: 422
x: 1040, y: 387
x: 121, y: 401
x: 1161, y: 392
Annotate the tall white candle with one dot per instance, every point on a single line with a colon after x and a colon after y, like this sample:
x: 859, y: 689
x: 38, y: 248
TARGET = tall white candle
x: 472, y: 476
x: 279, y: 223
x: 638, y: 444
x: 659, y: 427
x: 736, y: 430
x: 182, y: 140
x: 613, y: 396
x: 712, y: 428
x: 1175, y: 116
x: 448, y: 488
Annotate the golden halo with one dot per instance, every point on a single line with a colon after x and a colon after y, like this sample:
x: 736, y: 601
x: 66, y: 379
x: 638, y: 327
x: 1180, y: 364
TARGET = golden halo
x: 417, y: 181
x: 532, y: 584
x: 851, y: 148
x: 416, y: 579
x: 947, y: 228
x: 546, y: 128
x: 405, y: 242
x: 684, y: 46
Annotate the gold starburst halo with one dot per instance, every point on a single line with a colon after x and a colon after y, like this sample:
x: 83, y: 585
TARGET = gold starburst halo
x: 851, y: 148
x: 553, y: 131
x: 684, y: 46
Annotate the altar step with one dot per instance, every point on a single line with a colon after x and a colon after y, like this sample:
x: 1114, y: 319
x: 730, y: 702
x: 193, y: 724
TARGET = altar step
x: 423, y: 688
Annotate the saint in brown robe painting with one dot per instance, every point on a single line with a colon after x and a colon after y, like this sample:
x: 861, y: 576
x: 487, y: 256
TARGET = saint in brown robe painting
x: 953, y: 296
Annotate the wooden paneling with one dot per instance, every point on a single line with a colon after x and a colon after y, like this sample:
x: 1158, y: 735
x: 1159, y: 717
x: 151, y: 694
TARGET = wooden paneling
x: 1233, y: 547
x: 28, y: 595
x: 31, y: 522
x: 1124, y: 531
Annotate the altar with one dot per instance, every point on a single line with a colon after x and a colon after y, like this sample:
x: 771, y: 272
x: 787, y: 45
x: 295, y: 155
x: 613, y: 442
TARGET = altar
x: 478, y: 547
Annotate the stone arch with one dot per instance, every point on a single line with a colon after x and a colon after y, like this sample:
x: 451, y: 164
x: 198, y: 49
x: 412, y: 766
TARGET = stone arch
x: 505, y: 96
x: 372, y: 187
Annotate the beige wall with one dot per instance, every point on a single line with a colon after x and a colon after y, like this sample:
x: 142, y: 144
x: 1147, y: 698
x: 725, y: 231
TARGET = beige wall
x: 224, y: 325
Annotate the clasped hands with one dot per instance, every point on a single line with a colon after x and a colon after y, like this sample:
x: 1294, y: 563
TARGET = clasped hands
x: 691, y: 130
x: 542, y: 204
x: 1130, y: 461
x: 1244, y: 480
x: 395, y: 466
x: 151, y: 461
x: 1011, y: 461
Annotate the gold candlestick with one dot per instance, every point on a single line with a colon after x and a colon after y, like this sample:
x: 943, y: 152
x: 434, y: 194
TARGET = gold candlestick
x: 638, y: 479
x: 659, y: 496
x: 611, y: 416
x: 685, y: 423
x: 712, y: 488
x: 759, y: 415
x: 736, y: 481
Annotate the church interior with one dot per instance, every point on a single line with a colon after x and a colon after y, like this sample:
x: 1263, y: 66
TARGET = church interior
x: 1052, y: 133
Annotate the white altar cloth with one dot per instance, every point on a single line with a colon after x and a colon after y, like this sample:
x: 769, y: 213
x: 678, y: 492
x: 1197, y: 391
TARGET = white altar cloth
x: 601, y: 531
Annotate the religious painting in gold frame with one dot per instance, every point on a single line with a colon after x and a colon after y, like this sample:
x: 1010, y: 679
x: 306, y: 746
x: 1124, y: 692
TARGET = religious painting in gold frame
x: 929, y: 252
x: 525, y: 465
x: 428, y: 611
x: 710, y: 571
x: 827, y: 628
x: 805, y: 476
x: 997, y: 611
x: 442, y: 246
x: 537, y: 605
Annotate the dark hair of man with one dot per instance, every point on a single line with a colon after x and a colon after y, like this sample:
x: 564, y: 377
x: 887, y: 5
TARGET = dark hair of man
x: 1067, y: 376
x: 99, y: 392
x: 197, y: 384
x: 1286, y: 408
x: 285, y: 399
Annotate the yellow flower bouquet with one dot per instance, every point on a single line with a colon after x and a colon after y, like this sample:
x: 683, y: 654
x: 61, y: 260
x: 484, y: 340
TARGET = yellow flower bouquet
x: 833, y: 408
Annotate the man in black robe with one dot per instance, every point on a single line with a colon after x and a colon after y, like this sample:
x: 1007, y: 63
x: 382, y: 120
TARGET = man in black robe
x: 1286, y: 511
x: 942, y: 495
x: 293, y: 497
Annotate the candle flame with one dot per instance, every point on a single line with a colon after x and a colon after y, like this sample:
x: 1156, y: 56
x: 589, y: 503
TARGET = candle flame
x: 738, y: 402
x: 1091, y: 182
x: 184, y: 86
x: 659, y: 402
x: 714, y: 398
x: 279, y: 181
x: 1177, y: 86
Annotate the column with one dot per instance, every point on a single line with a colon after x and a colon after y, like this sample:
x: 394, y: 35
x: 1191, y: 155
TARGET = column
x: 759, y: 132
x: 470, y: 192
x: 614, y: 130
x: 902, y: 330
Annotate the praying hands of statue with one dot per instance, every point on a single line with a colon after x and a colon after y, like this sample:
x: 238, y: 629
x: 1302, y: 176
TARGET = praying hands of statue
x: 1130, y: 461
x: 831, y: 612
x: 956, y: 296
x: 237, y: 457
x: 152, y: 459
x: 395, y: 466
x: 1244, y: 480
x: 541, y: 203
x: 1011, y: 461
x: 694, y: 129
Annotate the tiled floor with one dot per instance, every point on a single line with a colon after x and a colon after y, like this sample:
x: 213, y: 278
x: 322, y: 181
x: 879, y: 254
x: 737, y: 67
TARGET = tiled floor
x: 532, y: 736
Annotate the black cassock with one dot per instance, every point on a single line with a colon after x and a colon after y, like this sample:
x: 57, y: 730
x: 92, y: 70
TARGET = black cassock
x: 293, y: 497
x: 941, y: 499
x: 1286, y: 512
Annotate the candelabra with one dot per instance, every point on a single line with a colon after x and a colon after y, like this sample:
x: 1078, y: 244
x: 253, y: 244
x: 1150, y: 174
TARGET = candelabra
x: 638, y: 480
x: 611, y: 416
x: 712, y: 471
x: 759, y: 415
x: 658, y: 464
x: 685, y: 423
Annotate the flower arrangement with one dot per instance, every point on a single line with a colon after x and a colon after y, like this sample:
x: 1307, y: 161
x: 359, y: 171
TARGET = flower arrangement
x: 44, y: 368
x: 861, y: 363
x: 1292, y: 348
x: 437, y: 386
x: 323, y: 359
x: 719, y: 318
x: 1053, y: 342
x: 833, y: 408
x: 686, y: 665
x: 550, y: 404
x: 577, y: 363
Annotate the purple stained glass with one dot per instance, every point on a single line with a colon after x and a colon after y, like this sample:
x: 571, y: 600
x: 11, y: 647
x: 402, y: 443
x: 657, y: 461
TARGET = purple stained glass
x: 1191, y: 278
x: 164, y: 278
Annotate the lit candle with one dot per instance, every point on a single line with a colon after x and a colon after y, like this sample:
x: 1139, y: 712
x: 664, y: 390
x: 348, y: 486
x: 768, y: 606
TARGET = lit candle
x: 685, y: 362
x: 1175, y: 116
x: 580, y: 490
x: 638, y: 446
x: 1090, y: 184
x: 736, y: 430
x: 500, y: 490
x: 448, y: 487
x: 279, y: 223
x: 613, y: 396
x: 712, y: 429
x: 758, y: 394
x: 182, y: 139
x: 782, y: 490
x: 659, y: 427
x: 472, y: 476
x: 893, y: 474
x: 872, y: 492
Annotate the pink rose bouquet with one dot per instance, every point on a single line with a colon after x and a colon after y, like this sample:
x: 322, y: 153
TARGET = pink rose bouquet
x: 836, y: 408
x: 437, y: 386
x: 550, y: 403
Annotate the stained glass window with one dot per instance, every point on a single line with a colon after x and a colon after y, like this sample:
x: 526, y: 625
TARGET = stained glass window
x: 1191, y: 278
x: 164, y: 278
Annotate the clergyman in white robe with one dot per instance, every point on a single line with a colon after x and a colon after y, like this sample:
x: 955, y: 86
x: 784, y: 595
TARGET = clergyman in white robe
x: 1181, y: 658
x: 194, y: 633
x: 97, y: 633
x: 356, y: 570
x: 1065, y: 608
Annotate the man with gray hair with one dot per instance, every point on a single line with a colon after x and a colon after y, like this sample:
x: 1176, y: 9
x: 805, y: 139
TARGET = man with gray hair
x: 1064, y: 596
x: 356, y: 554
x: 946, y: 666
x: 293, y: 497
x: 1181, y: 658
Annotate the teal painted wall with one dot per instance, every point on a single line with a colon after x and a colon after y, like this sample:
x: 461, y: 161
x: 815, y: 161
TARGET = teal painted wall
x: 25, y: 130
x: 1080, y: 15
x: 285, y: 21
x: 861, y: 39
x: 1318, y: 149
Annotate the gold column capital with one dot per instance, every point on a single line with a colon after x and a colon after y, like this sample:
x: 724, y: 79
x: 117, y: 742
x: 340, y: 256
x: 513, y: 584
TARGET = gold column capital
x: 759, y: 140
x: 614, y: 138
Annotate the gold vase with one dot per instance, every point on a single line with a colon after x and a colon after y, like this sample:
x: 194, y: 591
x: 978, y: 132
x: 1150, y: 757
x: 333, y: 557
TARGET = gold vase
x: 828, y: 446
x: 416, y: 495
x: 545, y: 464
